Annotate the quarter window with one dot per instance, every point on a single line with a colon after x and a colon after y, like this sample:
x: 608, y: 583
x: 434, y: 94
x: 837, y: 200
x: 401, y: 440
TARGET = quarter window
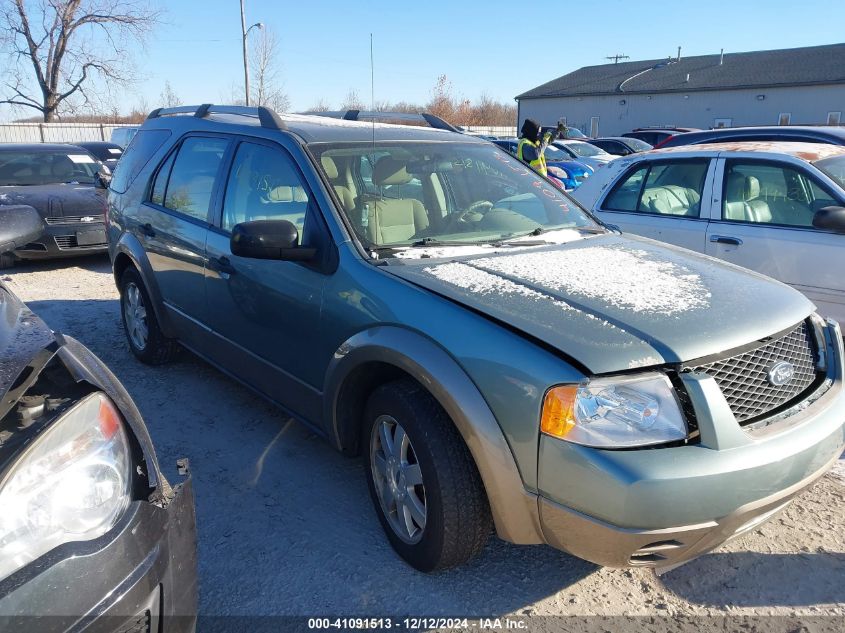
x: 661, y: 188
x: 764, y: 193
x: 191, y: 182
x: 144, y: 144
x: 264, y: 184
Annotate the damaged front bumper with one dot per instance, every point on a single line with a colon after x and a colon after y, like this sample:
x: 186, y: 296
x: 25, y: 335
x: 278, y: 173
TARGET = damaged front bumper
x: 141, y: 576
x: 663, y: 507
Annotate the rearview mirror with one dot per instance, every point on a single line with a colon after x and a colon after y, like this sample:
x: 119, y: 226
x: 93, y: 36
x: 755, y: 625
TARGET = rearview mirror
x: 19, y: 225
x: 830, y: 218
x: 102, y: 179
x: 269, y: 239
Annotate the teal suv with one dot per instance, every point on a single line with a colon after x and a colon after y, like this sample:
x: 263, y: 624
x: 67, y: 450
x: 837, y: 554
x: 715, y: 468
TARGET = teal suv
x: 498, y: 357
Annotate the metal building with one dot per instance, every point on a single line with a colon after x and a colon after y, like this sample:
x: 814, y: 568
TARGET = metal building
x: 788, y: 86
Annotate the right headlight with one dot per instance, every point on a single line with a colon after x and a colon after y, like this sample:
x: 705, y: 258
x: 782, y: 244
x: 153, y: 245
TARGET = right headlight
x: 616, y: 412
x: 72, y: 484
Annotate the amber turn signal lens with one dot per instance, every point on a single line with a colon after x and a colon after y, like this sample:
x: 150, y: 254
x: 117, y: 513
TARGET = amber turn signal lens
x: 558, y: 417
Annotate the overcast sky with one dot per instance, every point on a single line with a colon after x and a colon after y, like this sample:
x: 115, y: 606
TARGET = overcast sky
x: 501, y: 48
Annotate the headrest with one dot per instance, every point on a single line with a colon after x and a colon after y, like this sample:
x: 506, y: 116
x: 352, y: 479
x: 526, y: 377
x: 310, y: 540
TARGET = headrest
x: 735, y: 190
x: 287, y: 194
x: 329, y: 167
x: 752, y: 188
x: 389, y: 171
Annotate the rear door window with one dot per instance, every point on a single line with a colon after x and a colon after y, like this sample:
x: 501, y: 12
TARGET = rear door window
x: 192, y: 178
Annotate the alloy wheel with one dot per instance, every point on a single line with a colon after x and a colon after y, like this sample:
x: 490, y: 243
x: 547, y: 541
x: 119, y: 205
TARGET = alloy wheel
x: 398, y: 479
x: 135, y: 316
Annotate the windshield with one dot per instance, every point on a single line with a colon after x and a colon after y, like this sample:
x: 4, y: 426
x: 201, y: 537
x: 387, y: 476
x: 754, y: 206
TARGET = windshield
x: 407, y: 194
x: 22, y: 168
x: 585, y: 149
x: 834, y: 167
x: 638, y: 145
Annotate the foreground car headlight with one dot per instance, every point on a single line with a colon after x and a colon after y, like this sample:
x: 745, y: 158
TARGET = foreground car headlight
x: 619, y: 412
x: 71, y: 484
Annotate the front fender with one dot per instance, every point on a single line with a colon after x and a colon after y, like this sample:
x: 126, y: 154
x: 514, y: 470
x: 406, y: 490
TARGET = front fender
x: 514, y: 509
x: 128, y: 246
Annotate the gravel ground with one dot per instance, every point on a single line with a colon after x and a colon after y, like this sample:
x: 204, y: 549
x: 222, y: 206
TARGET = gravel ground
x: 286, y: 525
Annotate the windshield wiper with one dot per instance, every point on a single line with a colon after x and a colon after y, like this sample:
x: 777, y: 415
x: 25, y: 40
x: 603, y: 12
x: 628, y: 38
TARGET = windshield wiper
x: 432, y: 241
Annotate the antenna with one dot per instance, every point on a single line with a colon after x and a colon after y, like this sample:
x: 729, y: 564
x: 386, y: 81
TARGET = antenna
x: 722, y: 57
x: 617, y: 57
x: 373, y: 89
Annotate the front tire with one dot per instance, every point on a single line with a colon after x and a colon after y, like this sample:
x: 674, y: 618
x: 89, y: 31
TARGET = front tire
x: 423, y: 481
x: 146, y: 340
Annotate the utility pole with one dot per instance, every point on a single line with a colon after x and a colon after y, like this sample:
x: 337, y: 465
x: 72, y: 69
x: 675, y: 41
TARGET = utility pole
x: 246, y: 62
x: 245, y: 32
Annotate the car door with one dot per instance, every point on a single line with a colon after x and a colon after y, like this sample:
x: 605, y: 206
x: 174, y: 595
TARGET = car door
x: 265, y: 314
x: 766, y: 224
x: 172, y: 225
x: 666, y: 200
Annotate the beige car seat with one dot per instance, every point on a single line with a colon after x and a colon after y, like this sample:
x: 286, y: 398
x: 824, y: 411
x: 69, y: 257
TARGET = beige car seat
x: 743, y: 202
x: 344, y: 193
x: 393, y: 220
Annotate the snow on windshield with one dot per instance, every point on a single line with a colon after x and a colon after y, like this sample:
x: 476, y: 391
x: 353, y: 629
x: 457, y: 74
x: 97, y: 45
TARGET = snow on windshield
x: 634, y: 280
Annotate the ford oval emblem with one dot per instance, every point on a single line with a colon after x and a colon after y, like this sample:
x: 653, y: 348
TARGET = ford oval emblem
x: 781, y: 373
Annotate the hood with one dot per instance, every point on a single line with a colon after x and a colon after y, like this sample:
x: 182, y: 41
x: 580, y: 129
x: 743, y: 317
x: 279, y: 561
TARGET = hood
x: 57, y: 200
x: 572, y: 166
x: 614, y: 302
x: 22, y: 337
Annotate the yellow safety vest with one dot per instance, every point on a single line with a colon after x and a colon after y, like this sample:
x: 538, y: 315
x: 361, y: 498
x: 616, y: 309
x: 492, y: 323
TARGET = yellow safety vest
x: 538, y: 164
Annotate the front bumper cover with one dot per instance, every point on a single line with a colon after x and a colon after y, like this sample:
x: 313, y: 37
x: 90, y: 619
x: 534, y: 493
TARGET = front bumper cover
x: 663, y: 507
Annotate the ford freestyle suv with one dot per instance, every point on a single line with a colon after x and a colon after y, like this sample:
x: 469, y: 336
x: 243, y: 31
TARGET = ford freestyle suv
x: 496, y: 355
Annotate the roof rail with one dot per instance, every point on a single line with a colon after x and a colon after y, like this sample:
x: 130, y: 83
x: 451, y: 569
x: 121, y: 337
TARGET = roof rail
x: 356, y: 115
x: 266, y: 116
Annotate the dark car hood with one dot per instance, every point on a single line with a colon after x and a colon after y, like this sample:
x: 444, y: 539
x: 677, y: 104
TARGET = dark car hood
x: 22, y: 337
x: 615, y: 302
x: 57, y: 200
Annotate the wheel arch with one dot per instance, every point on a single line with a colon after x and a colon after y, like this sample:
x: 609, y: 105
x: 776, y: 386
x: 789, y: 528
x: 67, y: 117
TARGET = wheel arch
x: 387, y: 353
x: 129, y: 252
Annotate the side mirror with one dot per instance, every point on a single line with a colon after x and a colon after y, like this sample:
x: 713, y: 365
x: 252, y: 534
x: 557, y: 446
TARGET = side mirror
x: 269, y: 239
x: 830, y: 218
x: 19, y: 225
x: 103, y: 178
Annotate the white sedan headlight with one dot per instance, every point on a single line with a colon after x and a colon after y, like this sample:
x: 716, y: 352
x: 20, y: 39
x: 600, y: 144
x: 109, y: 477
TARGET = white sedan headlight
x: 72, y: 484
x: 617, y: 412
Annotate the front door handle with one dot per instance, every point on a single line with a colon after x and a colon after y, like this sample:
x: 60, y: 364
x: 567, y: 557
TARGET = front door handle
x: 724, y: 239
x: 223, y: 266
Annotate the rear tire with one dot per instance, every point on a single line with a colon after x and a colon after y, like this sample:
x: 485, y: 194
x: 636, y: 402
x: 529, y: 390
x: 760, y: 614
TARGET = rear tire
x: 7, y: 260
x: 423, y: 481
x: 146, y: 340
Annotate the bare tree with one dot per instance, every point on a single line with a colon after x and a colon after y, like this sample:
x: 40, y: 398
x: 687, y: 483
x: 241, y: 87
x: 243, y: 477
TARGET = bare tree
x: 58, y: 49
x: 266, y: 89
x: 352, y: 101
x: 169, y: 98
x: 321, y: 106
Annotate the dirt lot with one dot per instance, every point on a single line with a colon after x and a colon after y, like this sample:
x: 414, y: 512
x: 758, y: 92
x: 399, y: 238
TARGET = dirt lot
x: 286, y: 525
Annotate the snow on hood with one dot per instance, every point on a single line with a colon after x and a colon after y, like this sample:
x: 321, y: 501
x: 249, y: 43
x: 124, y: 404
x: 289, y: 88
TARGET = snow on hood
x: 630, y: 279
x: 614, y: 302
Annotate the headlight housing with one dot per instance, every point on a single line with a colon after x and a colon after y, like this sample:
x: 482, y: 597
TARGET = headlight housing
x: 615, y: 412
x: 72, y: 484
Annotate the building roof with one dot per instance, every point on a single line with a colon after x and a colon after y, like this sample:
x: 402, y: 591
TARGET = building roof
x: 757, y: 69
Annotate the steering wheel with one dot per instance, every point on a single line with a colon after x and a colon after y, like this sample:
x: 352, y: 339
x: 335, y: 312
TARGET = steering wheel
x: 478, y: 207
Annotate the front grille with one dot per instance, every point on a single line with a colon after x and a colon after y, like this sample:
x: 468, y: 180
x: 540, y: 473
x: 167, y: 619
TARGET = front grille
x: 744, y: 379
x: 66, y: 241
x: 74, y: 219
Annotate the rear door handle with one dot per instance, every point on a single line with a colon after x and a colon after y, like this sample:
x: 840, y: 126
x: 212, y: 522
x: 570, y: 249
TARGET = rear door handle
x: 724, y: 239
x: 148, y: 230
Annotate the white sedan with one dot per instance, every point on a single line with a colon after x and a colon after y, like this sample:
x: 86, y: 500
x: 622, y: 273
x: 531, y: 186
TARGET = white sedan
x: 774, y: 207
